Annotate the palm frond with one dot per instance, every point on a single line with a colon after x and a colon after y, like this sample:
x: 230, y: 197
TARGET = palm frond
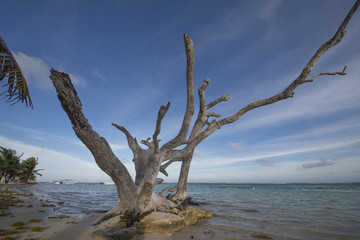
x: 17, y: 89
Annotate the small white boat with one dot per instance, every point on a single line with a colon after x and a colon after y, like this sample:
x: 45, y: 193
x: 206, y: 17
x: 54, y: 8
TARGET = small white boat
x: 64, y: 181
x: 110, y: 182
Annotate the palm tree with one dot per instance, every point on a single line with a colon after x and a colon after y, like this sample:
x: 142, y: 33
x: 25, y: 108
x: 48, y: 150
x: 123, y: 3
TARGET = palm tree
x: 29, y: 171
x: 9, y: 68
x: 9, y: 164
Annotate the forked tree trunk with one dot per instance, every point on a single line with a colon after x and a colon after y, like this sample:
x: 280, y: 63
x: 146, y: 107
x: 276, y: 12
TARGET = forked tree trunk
x: 137, y: 196
x: 132, y: 197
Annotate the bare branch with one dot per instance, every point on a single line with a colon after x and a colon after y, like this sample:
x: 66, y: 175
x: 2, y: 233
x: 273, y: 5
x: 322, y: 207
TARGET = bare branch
x: 134, y: 146
x: 147, y: 143
x: 164, y: 166
x: 159, y: 181
x: 167, y: 189
x: 223, y: 98
x: 289, y: 91
x: 201, y: 92
x: 212, y: 115
x: 199, y: 123
x: 326, y: 73
x: 99, y: 147
x: 189, y: 112
x: 161, y: 114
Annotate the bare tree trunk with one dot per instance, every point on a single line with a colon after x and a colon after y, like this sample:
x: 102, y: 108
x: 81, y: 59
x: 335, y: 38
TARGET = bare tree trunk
x: 98, y: 146
x: 137, y: 196
x: 181, y: 193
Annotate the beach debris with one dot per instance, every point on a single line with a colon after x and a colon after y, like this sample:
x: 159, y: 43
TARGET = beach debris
x: 19, y: 226
x: 8, y: 238
x: 262, y: 236
x: 35, y: 220
x: 8, y: 199
x: 5, y: 214
x: 59, y: 217
x: 37, y: 229
x: 71, y: 222
x: 7, y: 232
x: 48, y: 205
x: 251, y: 210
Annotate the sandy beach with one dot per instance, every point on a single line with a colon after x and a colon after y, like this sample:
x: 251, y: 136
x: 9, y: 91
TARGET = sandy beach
x: 30, y: 217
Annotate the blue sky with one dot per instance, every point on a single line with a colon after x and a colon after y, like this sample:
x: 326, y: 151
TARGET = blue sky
x: 126, y: 58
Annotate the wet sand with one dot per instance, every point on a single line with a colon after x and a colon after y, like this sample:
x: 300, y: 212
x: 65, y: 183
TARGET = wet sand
x: 33, y: 218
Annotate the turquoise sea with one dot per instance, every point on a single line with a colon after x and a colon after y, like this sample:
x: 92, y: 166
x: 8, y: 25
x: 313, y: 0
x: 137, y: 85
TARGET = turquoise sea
x: 241, y: 211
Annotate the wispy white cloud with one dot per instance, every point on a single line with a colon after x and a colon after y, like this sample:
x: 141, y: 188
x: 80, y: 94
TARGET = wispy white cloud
x: 36, y: 134
x: 236, y: 146
x: 96, y: 73
x: 77, y: 80
x: 116, y: 147
x: 267, y: 10
x: 37, y: 70
x: 351, y: 124
x: 264, y: 163
x: 235, y: 23
x: 34, y: 69
x: 329, y: 99
x: 261, y: 155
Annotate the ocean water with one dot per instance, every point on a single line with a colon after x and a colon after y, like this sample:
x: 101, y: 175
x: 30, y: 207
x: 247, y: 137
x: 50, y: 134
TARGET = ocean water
x: 241, y: 211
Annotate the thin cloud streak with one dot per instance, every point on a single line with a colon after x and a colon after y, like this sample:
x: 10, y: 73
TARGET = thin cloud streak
x: 38, y: 71
x: 320, y: 163
x: 218, y: 161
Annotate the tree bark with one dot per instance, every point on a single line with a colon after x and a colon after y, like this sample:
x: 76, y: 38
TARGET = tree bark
x: 132, y: 197
x: 138, y: 196
x: 181, y: 192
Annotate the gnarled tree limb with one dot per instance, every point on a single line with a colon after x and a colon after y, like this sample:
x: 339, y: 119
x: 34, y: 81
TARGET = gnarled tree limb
x: 327, y: 73
x: 134, y: 146
x: 164, y: 166
x: 223, y: 98
x: 99, y: 147
x: 289, y: 91
x: 180, y: 139
x: 161, y: 114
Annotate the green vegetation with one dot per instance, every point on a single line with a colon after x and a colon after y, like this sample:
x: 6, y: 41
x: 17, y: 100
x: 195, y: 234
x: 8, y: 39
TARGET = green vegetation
x: 13, y: 168
x: 16, y: 84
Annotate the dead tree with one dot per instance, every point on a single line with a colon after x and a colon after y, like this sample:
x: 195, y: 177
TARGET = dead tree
x: 138, y: 196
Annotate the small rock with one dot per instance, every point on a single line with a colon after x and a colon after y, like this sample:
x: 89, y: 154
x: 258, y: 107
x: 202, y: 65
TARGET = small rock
x: 191, y: 215
x: 174, y: 211
x: 159, y: 222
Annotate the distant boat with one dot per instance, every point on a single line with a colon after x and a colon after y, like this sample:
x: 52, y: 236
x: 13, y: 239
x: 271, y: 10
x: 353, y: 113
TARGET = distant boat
x: 111, y: 182
x: 64, y: 181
